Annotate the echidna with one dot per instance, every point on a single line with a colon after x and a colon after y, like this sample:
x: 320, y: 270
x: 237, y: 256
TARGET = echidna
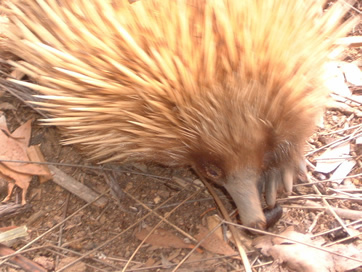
x: 230, y: 87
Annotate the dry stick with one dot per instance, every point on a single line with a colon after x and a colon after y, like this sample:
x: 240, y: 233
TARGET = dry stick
x: 346, y: 193
x: 164, y: 218
x: 187, y: 262
x: 61, y: 228
x: 340, y: 130
x: 155, y: 227
x: 336, y: 142
x: 50, y: 230
x: 293, y: 240
x: 196, y: 246
x: 116, y: 236
x: 262, y: 264
x: 314, y: 196
x: 326, y: 180
x: 331, y: 209
x: 234, y: 232
x: 343, y: 240
x: 48, y: 247
x: 79, y: 189
x: 100, y: 168
x: 86, y: 264
x: 337, y: 228
x: 315, y: 221
x: 344, y: 213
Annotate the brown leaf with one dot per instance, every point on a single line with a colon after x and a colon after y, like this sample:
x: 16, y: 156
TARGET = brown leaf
x: 6, y: 106
x: 213, y: 243
x: 14, y: 147
x: 23, y: 133
x: 20, y: 260
x: 161, y: 238
x: 3, y: 125
x: 35, y: 155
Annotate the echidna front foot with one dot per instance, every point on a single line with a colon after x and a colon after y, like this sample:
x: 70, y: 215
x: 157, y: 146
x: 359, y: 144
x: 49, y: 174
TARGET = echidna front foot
x: 280, y: 180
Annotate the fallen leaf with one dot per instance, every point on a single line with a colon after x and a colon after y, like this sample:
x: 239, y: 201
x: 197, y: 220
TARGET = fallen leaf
x: 303, y: 258
x: 15, y: 149
x: 212, y: 222
x: 6, y: 106
x: 332, y: 158
x: 343, y: 170
x: 3, y: 125
x: 13, y: 146
x: 35, y: 155
x: 161, y: 238
x: 21, y: 261
x: 23, y: 133
x: 213, y: 243
x: 335, y: 82
x: 352, y: 73
x: 14, y: 178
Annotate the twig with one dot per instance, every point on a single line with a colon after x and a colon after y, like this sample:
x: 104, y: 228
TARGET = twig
x: 234, y: 232
x: 155, y: 227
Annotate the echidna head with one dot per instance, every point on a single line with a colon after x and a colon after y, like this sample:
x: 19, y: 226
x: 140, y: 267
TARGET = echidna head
x: 230, y: 143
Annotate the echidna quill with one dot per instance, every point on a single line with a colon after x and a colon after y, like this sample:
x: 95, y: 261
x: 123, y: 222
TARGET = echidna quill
x: 232, y: 88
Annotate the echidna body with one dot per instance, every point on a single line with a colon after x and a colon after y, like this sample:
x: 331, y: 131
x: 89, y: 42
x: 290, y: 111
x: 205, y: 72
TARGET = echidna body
x: 231, y: 88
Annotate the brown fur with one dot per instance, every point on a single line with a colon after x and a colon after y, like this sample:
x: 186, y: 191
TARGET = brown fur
x: 232, y: 88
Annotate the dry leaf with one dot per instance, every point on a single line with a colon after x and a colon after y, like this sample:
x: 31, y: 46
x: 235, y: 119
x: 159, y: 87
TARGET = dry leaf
x: 213, y: 243
x: 335, y: 82
x: 303, y: 258
x: 13, y: 146
x: 161, y: 238
x: 3, y: 125
x: 16, y: 149
x: 352, y: 73
x: 212, y: 222
x: 332, y: 158
x: 343, y: 170
x: 6, y: 106
x: 35, y: 155
x: 23, y: 133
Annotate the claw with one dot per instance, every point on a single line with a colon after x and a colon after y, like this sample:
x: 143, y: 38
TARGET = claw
x: 288, y: 179
x: 271, y: 185
x: 302, y: 175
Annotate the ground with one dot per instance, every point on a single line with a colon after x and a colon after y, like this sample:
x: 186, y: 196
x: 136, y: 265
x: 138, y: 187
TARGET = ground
x: 106, y: 238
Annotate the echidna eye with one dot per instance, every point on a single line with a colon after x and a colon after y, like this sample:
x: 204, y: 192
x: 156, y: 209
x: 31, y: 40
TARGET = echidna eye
x: 212, y: 171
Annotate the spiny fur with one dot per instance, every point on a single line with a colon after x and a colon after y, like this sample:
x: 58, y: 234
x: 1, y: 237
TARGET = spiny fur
x: 237, y: 82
